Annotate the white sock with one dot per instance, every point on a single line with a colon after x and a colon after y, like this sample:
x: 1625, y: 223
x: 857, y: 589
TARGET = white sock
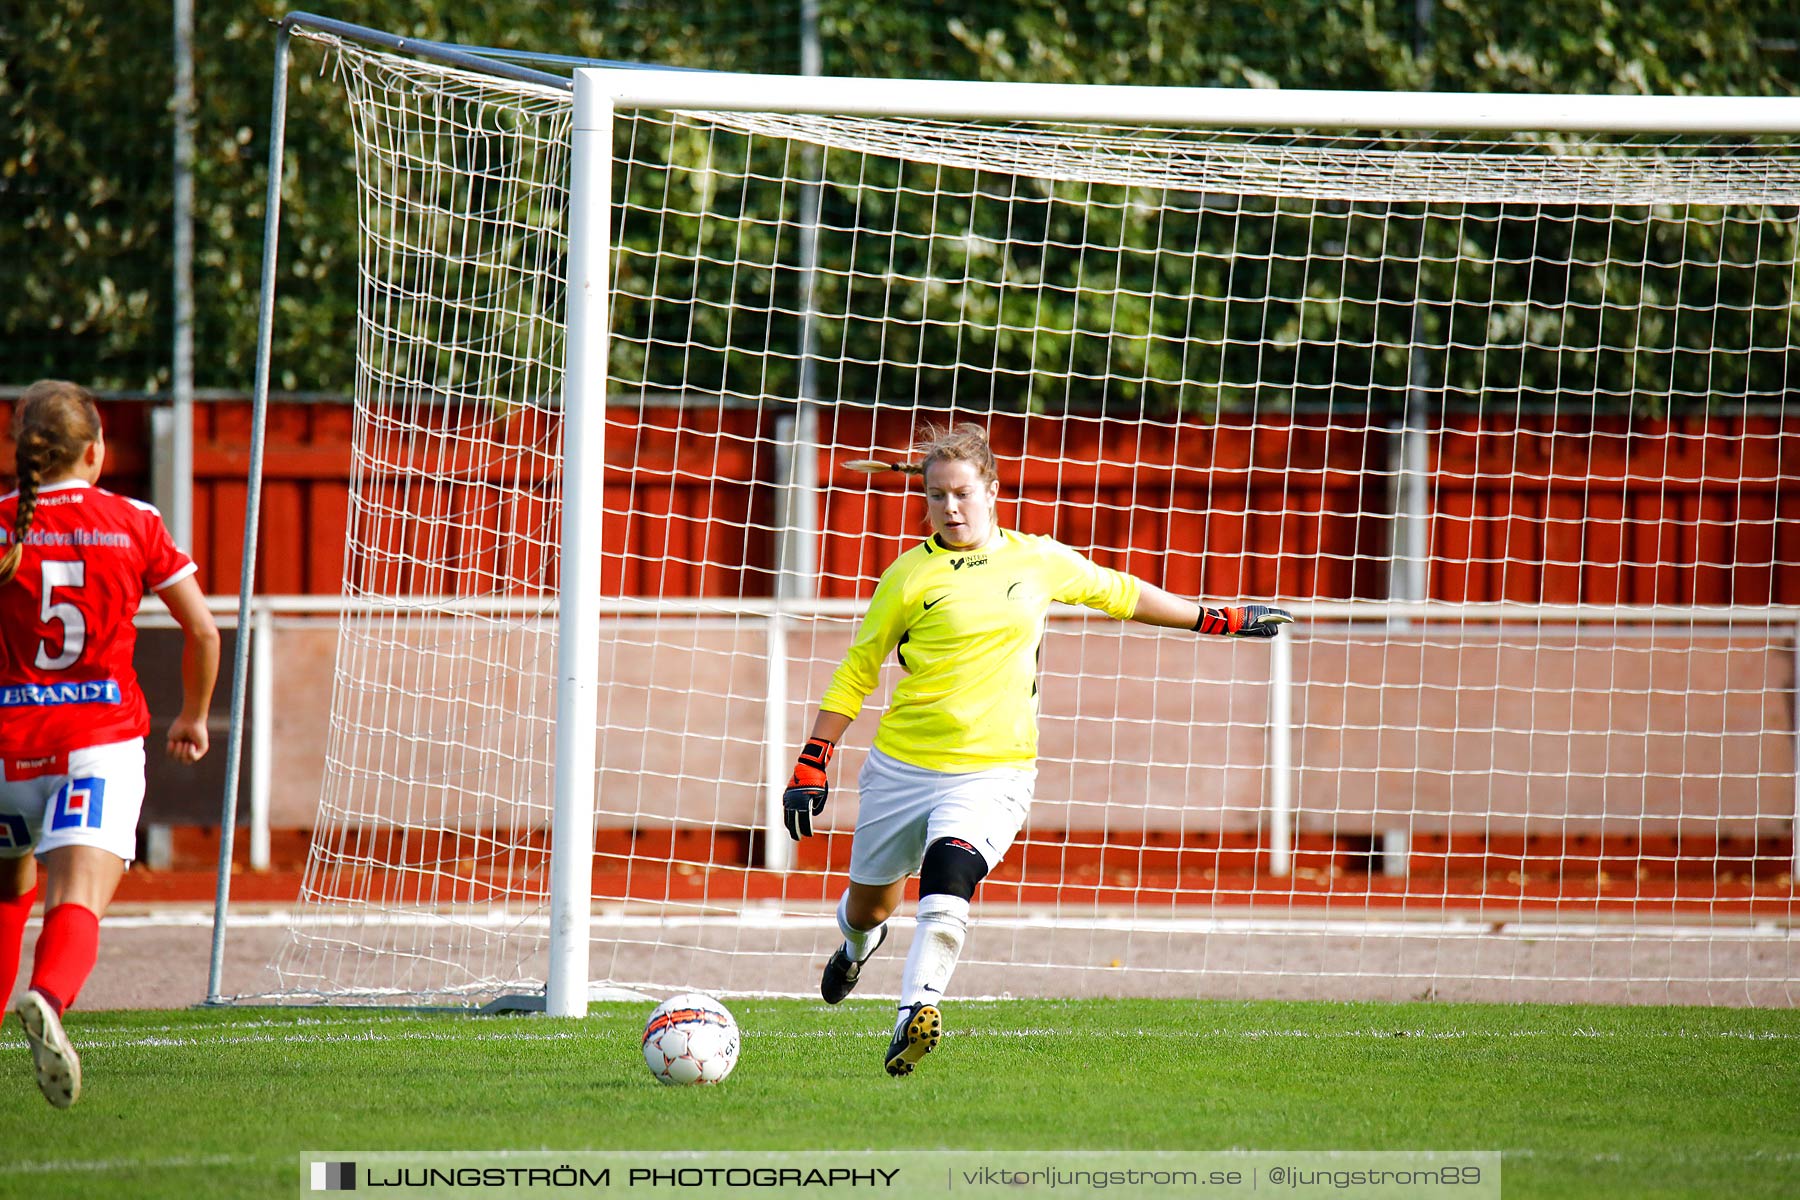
x: 858, y: 943
x: 937, y: 941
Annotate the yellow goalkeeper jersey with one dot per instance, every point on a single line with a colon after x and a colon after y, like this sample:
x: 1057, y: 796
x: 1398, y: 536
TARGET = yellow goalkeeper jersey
x: 966, y: 626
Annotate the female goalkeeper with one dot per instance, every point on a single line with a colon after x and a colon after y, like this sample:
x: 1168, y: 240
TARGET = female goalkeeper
x: 77, y: 561
x: 946, y: 787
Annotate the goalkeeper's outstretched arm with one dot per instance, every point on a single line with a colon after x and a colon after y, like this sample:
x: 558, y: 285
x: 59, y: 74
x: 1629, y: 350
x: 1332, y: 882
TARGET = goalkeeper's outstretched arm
x: 1169, y: 611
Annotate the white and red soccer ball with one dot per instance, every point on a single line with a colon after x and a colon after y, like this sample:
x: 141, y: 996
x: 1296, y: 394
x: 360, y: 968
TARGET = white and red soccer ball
x: 690, y: 1038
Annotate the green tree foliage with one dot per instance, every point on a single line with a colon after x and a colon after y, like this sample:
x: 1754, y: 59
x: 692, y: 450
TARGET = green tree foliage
x: 84, y: 209
x: 83, y: 241
x: 86, y: 146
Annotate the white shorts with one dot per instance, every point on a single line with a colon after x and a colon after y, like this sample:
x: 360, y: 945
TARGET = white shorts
x: 903, y: 809
x: 88, y: 797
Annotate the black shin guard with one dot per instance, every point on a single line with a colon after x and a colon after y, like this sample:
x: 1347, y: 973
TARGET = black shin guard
x: 952, y: 867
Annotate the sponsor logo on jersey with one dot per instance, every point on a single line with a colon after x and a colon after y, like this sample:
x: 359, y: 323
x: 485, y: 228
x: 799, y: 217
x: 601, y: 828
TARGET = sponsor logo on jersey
x: 80, y: 805
x: 971, y: 560
x: 38, y: 767
x: 32, y: 695
x: 73, y: 537
x: 936, y: 600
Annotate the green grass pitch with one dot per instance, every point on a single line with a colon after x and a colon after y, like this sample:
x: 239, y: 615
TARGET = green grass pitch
x: 1583, y: 1101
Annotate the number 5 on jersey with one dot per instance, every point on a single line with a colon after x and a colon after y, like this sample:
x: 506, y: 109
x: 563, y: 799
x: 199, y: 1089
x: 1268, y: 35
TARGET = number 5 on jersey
x: 74, y: 626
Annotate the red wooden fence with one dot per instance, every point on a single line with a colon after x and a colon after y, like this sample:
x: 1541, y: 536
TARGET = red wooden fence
x: 1536, y: 509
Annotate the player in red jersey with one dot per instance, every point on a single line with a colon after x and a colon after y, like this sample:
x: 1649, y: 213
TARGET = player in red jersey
x: 77, y: 560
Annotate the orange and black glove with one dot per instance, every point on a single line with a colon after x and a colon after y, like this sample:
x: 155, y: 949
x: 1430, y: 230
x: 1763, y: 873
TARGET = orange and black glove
x: 1249, y: 621
x: 807, y: 788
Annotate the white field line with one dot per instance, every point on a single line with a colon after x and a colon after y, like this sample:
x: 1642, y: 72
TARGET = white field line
x: 1454, y: 927
x: 179, y: 1037
x: 1672, y: 1157
x: 108, y: 1165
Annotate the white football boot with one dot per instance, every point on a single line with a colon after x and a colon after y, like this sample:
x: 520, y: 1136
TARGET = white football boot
x: 58, y: 1066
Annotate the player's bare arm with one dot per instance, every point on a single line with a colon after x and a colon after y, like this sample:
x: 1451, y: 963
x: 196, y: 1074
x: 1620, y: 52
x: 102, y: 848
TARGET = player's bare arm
x: 188, y: 738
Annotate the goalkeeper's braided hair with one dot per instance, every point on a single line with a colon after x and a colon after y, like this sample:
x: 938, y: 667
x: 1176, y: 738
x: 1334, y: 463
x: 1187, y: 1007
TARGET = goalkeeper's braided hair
x: 964, y: 442
x: 52, y: 424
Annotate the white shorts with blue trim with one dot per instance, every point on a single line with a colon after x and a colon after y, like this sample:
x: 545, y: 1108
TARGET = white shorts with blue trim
x: 903, y: 809
x: 89, y: 797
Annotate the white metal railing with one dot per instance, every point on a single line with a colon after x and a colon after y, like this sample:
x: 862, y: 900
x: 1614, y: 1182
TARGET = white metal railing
x: 267, y: 611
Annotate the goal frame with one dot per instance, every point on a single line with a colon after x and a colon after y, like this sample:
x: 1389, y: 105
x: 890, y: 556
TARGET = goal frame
x: 600, y: 94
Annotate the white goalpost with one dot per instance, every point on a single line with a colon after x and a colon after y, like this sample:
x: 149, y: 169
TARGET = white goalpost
x: 1491, y: 391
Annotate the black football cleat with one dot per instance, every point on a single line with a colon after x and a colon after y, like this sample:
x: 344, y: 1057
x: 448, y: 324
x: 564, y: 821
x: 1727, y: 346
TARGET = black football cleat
x: 842, y: 971
x: 917, y: 1036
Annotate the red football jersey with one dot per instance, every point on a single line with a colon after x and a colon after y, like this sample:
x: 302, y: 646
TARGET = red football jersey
x: 66, y: 674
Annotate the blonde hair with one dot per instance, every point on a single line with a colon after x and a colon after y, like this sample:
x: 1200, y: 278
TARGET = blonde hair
x: 964, y: 442
x: 53, y: 425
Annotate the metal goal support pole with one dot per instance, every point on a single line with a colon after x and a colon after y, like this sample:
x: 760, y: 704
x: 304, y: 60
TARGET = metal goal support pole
x: 240, y: 666
x: 578, y: 620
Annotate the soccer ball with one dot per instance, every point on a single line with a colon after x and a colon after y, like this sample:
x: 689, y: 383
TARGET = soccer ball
x: 690, y: 1039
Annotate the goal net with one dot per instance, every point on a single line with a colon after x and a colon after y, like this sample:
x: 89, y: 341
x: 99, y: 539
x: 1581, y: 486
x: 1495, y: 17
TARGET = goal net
x: 1503, y: 418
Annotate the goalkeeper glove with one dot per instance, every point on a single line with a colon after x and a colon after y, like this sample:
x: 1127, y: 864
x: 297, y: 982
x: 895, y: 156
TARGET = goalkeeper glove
x: 1249, y: 620
x: 807, y: 788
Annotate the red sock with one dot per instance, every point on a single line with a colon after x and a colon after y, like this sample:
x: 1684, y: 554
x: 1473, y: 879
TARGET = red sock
x: 67, y: 949
x: 14, y: 912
